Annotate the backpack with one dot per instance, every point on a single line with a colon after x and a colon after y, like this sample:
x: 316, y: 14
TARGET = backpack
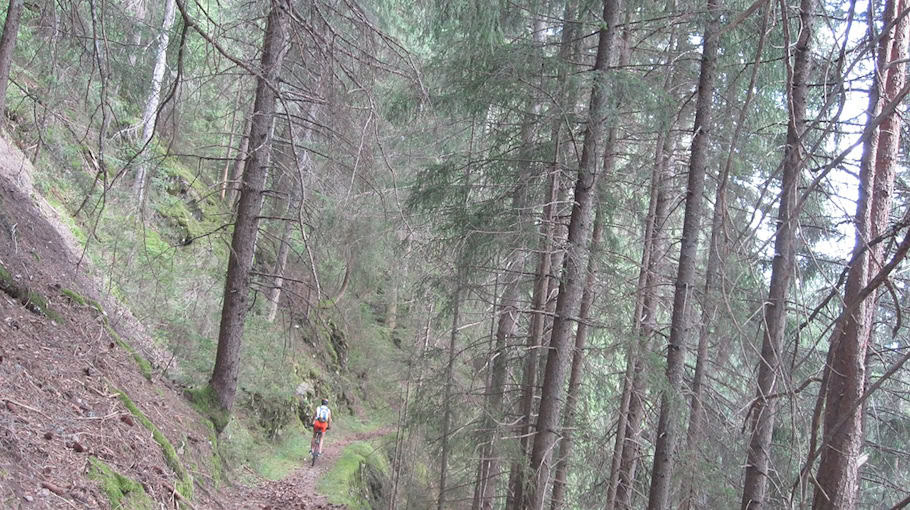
x: 322, y: 414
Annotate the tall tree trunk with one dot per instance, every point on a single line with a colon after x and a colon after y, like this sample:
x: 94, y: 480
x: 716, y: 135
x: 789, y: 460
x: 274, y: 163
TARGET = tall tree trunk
x: 150, y: 113
x: 137, y: 9
x: 544, y: 281
x: 301, y: 165
x: 7, y: 47
x: 578, y: 357
x: 237, y: 284
x: 762, y: 412
x: 667, y: 427
x: 692, y: 492
x: 508, y: 317
x: 572, y: 284
x: 627, y: 448
x: 49, y: 23
x: 509, y: 303
x: 447, y: 398
x: 281, y: 261
x: 838, y: 471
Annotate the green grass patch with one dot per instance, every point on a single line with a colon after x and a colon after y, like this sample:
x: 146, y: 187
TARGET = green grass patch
x: 122, y: 492
x: 348, y: 483
x: 155, y: 246
x: 285, y: 455
x: 185, y: 483
x: 206, y: 403
x: 346, y: 425
x: 215, y: 464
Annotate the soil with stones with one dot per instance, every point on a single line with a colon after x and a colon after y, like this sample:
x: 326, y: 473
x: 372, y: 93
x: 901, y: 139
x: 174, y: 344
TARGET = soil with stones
x: 68, y: 369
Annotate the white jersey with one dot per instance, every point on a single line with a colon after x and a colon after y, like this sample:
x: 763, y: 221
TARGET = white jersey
x: 323, y: 413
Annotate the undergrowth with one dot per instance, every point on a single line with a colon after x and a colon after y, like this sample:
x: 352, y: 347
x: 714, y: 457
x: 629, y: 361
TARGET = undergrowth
x: 166, y: 261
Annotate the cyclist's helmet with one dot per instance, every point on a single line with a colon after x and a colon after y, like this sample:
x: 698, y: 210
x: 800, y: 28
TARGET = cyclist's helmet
x: 325, y: 401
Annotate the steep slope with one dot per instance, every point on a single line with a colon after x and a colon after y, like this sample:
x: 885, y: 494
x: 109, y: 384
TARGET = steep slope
x: 84, y: 420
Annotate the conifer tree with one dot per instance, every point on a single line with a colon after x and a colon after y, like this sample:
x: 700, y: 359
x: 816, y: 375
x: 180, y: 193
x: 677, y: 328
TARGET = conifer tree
x: 7, y: 47
x: 761, y: 414
x: 237, y: 284
x: 572, y: 284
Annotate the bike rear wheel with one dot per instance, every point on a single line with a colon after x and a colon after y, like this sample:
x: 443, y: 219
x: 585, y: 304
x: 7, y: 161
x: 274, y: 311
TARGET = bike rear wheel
x: 316, y: 451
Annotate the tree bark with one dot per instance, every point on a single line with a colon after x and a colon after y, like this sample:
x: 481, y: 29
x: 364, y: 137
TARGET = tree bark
x: 508, y: 309
x: 150, y: 113
x: 237, y: 284
x: 281, y: 261
x: 667, y: 427
x: 230, y: 143
x: 717, y: 251
x: 7, y: 47
x: 300, y: 165
x: 762, y: 412
x: 627, y: 443
x: 137, y: 9
x: 627, y: 447
x: 578, y: 358
x: 48, y: 23
x: 544, y: 281
x: 571, y: 287
x: 838, y: 471
x: 447, y: 399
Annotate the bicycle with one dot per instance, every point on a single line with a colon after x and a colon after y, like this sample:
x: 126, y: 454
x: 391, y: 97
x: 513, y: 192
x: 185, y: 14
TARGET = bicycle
x: 316, y: 451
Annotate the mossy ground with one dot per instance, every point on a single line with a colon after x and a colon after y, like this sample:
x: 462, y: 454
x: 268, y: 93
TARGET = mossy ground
x: 185, y: 483
x: 79, y: 299
x: 203, y: 400
x: 33, y: 302
x: 144, y: 365
x: 122, y: 492
x: 345, y: 483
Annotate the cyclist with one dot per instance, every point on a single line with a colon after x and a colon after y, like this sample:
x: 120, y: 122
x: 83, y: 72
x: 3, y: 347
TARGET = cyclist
x: 322, y: 421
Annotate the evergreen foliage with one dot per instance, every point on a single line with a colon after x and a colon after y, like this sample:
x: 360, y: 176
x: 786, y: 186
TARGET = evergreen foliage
x: 408, y: 204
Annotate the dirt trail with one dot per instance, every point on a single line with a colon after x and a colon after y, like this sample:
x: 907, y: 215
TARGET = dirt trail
x: 298, y: 490
x: 64, y: 381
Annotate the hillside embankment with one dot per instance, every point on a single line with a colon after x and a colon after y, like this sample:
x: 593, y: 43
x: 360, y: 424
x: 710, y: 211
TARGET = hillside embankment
x: 87, y: 417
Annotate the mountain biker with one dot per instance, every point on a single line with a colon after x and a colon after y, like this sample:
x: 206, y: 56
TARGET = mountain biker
x: 322, y: 421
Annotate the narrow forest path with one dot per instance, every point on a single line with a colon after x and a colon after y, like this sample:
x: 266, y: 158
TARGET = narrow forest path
x: 298, y: 490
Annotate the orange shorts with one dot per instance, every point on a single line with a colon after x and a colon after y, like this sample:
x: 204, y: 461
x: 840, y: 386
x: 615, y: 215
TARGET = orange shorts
x: 320, y: 426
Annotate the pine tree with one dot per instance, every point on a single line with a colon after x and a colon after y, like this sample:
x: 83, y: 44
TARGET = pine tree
x: 237, y: 284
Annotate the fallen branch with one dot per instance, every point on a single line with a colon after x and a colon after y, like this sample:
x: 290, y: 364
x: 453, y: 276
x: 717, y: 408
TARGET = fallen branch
x: 11, y: 401
x: 177, y: 496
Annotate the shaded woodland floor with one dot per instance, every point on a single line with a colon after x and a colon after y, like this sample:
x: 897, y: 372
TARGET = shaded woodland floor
x: 81, y: 391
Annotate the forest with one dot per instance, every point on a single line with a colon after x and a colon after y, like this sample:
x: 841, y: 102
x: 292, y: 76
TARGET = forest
x: 538, y: 254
